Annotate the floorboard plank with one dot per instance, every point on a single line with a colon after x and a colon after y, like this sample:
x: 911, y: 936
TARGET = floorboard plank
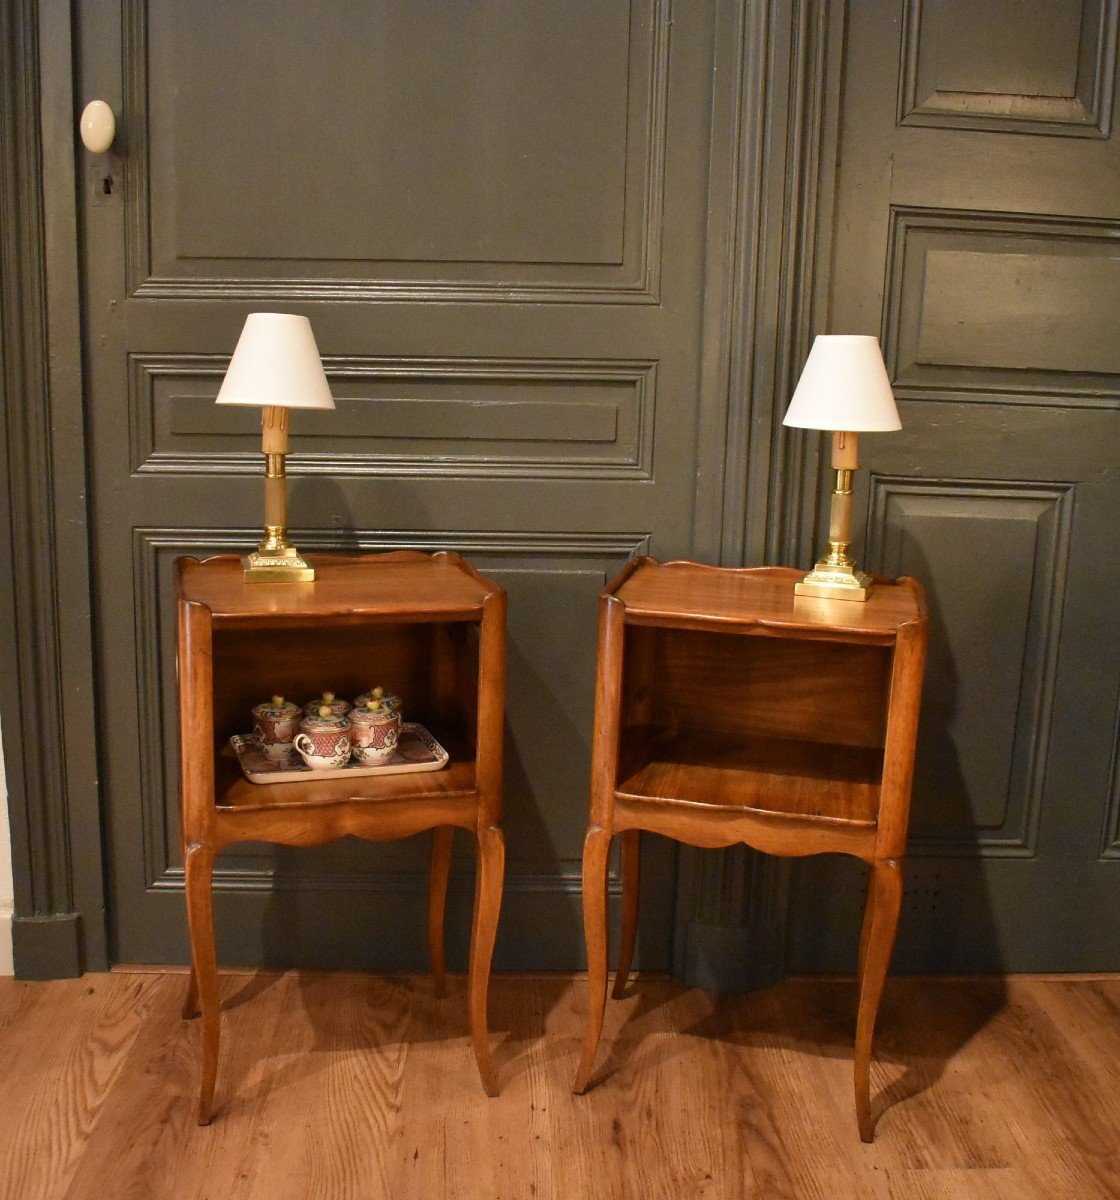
x: 65, y: 1048
x: 356, y: 1086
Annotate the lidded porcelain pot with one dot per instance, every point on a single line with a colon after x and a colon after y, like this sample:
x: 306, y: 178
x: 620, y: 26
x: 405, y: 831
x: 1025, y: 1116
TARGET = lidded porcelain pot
x: 324, y: 739
x: 377, y: 729
x: 275, y: 723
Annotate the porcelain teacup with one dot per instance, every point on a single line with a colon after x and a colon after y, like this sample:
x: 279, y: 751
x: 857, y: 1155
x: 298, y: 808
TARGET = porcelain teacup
x: 323, y: 740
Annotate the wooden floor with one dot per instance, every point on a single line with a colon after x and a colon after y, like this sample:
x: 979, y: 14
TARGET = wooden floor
x: 346, y: 1086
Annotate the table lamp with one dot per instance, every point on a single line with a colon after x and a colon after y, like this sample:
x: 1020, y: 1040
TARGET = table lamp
x: 843, y: 388
x: 276, y: 366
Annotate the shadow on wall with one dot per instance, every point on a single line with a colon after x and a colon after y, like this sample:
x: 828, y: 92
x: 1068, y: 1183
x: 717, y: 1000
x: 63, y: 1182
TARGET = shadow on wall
x: 951, y: 924
x: 947, y: 922
x: 381, y: 889
x: 321, y: 895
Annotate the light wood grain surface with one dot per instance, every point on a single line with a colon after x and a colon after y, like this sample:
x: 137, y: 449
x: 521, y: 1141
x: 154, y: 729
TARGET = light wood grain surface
x: 697, y: 596
x: 775, y: 775
x: 339, y: 1086
x: 352, y: 586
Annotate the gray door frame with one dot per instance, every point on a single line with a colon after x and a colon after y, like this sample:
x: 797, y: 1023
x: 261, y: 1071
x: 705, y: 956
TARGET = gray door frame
x: 47, y: 688
x: 770, y: 203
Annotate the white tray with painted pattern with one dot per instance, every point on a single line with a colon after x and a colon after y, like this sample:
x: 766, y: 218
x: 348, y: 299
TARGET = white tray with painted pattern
x: 416, y: 750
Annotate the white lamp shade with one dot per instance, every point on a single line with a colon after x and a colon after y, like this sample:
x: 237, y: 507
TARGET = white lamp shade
x: 844, y: 386
x: 276, y: 362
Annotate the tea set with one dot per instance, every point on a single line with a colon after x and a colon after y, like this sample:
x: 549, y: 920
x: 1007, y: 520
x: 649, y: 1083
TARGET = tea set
x: 328, y: 731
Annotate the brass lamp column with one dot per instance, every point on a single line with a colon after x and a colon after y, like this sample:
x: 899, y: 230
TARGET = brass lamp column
x: 275, y: 557
x: 276, y: 366
x: 844, y: 388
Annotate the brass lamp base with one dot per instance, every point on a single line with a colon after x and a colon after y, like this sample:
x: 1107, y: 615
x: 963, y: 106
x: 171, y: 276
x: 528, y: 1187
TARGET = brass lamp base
x: 276, y: 564
x: 835, y: 576
x: 829, y: 581
x: 275, y: 560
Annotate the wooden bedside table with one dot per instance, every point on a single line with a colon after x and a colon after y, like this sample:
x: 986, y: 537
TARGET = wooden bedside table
x: 728, y: 710
x: 427, y: 627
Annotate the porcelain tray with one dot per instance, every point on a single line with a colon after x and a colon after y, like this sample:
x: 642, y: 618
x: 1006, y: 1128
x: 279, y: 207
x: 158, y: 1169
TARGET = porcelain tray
x: 417, y: 750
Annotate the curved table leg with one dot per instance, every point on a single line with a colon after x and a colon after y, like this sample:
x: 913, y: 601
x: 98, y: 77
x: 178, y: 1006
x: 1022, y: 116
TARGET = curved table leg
x: 440, y: 871
x: 487, y: 905
x: 596, y: 850
x: 199, y: 870
x: 880, y: 923
x: 631, y: 860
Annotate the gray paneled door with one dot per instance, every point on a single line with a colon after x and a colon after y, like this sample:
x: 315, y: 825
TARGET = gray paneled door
x: 494, y: 215
x: 978, y: 232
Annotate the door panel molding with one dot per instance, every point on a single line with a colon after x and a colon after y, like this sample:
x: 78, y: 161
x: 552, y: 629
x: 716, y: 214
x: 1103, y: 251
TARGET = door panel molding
x: 514, y: 418
x: 1030, y: 524
x: 1085, y: 110
x: 1047, y: 282
x: 46, y: 698
x: 155, y: 267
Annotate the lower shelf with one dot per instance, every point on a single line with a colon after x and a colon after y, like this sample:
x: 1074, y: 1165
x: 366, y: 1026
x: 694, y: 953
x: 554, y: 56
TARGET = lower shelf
x: 778, y: 776
x: 232, y: 791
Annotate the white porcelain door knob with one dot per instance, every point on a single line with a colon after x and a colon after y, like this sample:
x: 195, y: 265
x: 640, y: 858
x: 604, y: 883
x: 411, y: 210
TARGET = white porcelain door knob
x: 98, y: 126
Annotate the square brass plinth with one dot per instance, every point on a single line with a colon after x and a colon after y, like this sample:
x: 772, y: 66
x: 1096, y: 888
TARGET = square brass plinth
x: 276, y: 568
x: 828, y: 583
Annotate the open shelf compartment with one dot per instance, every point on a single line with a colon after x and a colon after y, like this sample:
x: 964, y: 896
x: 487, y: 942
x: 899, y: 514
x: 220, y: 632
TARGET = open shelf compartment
x: 782, y: 726
x: 432, y: 666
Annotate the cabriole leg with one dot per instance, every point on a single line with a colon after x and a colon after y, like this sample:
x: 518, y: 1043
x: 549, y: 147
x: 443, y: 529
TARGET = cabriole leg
x: 596, y: 850
x: 880, y: 923
x: 199, y: 870
x: 487, y: 905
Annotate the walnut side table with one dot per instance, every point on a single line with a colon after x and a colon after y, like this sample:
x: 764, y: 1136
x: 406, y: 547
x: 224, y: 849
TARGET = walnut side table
x: 427, y: 627
x: 728, y: 711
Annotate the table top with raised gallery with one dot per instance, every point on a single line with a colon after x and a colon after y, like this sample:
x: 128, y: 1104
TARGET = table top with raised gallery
x: 760, y: 600
x: 407, y: 584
